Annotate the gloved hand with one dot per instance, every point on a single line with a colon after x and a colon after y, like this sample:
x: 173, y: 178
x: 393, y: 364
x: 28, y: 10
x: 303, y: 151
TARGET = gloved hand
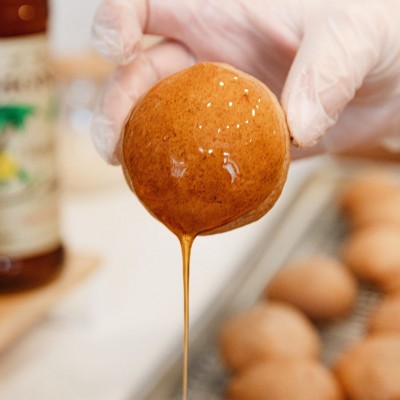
x: 334, y: 64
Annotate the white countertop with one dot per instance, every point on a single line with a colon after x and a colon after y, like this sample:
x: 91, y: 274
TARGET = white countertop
x: 105, y: 338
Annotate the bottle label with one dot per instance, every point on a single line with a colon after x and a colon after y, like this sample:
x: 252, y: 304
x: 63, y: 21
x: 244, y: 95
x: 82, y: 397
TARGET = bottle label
x: 28, y: 186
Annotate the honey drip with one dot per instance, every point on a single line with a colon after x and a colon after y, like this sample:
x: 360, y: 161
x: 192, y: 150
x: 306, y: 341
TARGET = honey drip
x: 206, y: 150
x: 186, y: 245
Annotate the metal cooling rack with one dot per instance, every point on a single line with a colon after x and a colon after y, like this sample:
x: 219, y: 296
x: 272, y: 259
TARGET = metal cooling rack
x: 304, y: 230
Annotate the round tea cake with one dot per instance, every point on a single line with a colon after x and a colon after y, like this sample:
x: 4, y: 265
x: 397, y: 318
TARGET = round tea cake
x: 207, y: 149
x: 267, y: 331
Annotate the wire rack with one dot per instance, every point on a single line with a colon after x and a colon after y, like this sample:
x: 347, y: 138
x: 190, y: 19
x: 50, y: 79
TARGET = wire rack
x: 303, y: 231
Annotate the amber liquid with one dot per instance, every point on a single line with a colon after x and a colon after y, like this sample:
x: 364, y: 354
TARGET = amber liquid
x: 186, y: 246
x: 27, y: 273
x: 23, y: 17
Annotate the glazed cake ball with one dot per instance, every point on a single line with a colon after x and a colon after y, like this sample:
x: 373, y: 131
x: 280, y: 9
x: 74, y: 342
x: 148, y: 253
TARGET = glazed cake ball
x: 267, y: 331
x: 370, y: 370
x: 285, y: 380
x: 321, y: 286
x: 206, y: 150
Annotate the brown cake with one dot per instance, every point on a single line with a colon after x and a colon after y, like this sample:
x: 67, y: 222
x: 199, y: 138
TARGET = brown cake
x: 321, y: 286
x: 370, y: 370
x: 386, y: 316
x: 265, y: 332
x: 373, y: 254
x: 206, y: 150
x: 285, y: 380
x: 367, y: 189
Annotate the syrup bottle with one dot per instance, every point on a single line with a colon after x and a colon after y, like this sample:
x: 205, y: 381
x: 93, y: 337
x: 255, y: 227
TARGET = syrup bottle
x: 31, y: 253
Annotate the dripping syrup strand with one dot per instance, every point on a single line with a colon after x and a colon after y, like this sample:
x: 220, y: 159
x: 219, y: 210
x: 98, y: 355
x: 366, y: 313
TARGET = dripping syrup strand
x: 186, y: 245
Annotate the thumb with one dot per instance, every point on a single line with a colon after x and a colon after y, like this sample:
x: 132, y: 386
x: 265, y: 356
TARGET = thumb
x: 117, y: 29
x: 332, y: 62
x: 119, y: 25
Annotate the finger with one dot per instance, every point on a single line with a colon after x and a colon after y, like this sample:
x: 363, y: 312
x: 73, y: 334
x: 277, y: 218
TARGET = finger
x: 125, y: 88
x: 297, y: 153
x: 332, y: 62
x: 172, y: 18
x: 118, y: 29
x: 119, y: 25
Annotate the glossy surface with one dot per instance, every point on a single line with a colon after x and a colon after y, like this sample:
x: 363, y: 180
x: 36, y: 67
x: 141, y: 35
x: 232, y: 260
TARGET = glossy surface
x: 206, y: 150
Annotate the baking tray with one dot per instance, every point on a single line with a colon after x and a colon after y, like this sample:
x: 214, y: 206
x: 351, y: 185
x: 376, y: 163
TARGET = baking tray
x: 312, y: 224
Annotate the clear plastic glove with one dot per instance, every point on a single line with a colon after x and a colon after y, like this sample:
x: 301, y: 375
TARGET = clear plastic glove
x: 334, y: 64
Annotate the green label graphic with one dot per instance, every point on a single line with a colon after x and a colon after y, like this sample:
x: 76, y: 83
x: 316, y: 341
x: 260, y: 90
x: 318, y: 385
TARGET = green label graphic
x: 12, y: 121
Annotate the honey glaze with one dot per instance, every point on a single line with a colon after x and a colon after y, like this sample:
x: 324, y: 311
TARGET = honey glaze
x: 206, y: 150
x: 186, y: 245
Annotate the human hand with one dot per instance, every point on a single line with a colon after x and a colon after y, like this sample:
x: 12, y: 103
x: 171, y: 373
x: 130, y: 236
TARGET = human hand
x: 334, y: 65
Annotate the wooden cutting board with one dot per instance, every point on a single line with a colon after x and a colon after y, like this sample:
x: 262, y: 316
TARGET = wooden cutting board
x: 18, y: 312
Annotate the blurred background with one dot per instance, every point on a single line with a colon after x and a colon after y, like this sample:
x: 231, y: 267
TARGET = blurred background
x: 70, y: 26
x: 81, y: 74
